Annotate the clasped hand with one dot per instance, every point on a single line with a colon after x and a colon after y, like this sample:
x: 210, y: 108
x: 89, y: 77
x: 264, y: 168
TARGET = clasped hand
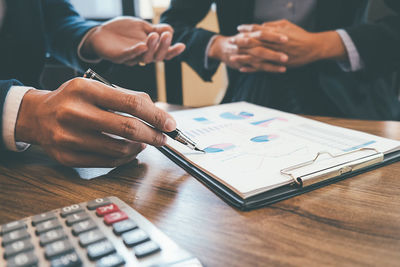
x: 275, y: 47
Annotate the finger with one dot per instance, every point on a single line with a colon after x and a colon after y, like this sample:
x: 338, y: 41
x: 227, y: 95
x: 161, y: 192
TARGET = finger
x: 269, y: 36
x: 264, y: 53
x: 80, y: 159
x: 175, y: 51
x: 102, y: 144
x: 132, y: 53
x: 133, y: 62
x: 248, y: 69
x: 264, y: 66
x: 242, y: 60
x: 249, y: 27
x: 127, y: 127
x: 243, y: 41
x: 161, y: 28
x: 152, y: 44
x: 165, y: 43
x: 275, y: 23
x: 134, y: 103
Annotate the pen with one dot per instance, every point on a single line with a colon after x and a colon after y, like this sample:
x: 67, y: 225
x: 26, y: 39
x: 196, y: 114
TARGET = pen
x: 177, y: 134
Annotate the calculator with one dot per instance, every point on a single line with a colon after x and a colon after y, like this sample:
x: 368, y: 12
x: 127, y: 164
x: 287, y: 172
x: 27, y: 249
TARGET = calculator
x: 104, y: 232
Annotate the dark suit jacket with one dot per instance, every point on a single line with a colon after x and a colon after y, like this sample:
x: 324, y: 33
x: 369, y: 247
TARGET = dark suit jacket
x: 326, y: 89
x: 32, y: 28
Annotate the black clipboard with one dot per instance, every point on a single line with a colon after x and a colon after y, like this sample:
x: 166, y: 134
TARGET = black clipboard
x: 271, y: 196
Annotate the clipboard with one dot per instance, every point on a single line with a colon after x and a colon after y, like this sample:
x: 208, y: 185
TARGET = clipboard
x: 300, y: 185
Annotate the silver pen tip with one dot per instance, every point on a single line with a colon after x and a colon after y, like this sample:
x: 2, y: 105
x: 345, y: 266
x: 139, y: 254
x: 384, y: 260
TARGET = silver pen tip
x: 198, y: 149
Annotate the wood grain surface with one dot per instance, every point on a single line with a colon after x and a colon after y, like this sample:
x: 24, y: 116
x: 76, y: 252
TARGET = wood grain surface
x: 353, y: 222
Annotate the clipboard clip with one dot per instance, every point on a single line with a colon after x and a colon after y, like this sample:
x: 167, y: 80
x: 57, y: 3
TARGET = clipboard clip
x: 333, y: 171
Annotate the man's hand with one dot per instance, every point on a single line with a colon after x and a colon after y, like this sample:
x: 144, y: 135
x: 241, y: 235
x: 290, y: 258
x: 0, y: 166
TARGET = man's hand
x: 245, y: 50
x: 301, y: 47
x: 128, y: 40
x: 73, y: 124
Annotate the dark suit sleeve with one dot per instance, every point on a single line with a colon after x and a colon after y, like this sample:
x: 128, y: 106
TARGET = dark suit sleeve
x: 65, y: 29
x: 378, y: 43
x: 5, y: 86
x: 183, y: 16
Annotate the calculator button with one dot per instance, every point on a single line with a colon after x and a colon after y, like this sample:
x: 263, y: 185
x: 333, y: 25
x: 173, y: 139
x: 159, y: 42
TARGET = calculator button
x: 12, y: 226
x: 47, y: 226
x: 23, y: 260
x: 113, y: 260
x: 51, y: 236
x: 101, y: 249
x: 43, y: 217
x: 77, y: 217
x: 101, y: 211
x: 17, y: 247
x: 58, y: 248
x: 146, y: 249
x: 94, y: 204
x: 124, y: 226
x: 15, y: 236
x: 115, y: 217
x: 70, y: 210
x: 84, y: 226
x: 91, y: 237
x: 135, y: 237
x: 68, y: 260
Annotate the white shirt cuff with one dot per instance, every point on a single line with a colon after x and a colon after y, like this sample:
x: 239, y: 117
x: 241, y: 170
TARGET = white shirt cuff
x: 354, y: 62
x: 10, y: 114
x: 87, y: 60
x: 206, y: 63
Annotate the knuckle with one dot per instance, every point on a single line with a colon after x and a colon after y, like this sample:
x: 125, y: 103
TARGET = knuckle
x: 259, y: 52
x: 145, y: 96
x: 265, y: 34
x: 76, y: 84
x: 68, y: 112
x: 158, y: 139
x: 122, y: 150
x: 134, y: 102
x: 159, y: 118
x: 60, y: 138
x: 130, y: 128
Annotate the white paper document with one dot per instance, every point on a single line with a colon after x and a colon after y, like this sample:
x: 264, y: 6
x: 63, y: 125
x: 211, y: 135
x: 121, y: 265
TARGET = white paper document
x: 247, y: 145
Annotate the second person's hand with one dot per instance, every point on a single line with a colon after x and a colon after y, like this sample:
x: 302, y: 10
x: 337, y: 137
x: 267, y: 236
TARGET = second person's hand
x: 129, y: 40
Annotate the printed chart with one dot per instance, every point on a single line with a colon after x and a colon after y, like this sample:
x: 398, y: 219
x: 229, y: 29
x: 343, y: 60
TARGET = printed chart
x: 263, y: 138
x: 236, y: 116
x: 267, y: 122
x: 219, y: 148
x: 202, y: 120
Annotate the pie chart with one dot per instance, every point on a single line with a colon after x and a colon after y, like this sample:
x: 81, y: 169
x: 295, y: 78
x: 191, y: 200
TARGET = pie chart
x: 219, y: 148
x: 236, y: 115
x: 263, y: 138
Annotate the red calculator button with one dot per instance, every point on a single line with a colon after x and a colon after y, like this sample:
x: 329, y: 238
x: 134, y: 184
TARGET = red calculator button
x: 101, y: 211
x: 115, y: 217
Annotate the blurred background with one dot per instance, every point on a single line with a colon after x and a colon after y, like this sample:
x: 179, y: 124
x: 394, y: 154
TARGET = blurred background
x: 171, y: 82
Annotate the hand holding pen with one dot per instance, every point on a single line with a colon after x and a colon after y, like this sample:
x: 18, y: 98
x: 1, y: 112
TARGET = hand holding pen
x: 69, y: 123
x: 176, y: 134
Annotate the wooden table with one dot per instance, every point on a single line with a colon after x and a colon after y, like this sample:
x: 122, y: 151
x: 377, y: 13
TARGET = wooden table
x: 353, y: 222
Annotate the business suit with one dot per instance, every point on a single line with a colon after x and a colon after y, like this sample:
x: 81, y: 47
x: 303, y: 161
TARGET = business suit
x: 30, y: 29
x: 321, y: 88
